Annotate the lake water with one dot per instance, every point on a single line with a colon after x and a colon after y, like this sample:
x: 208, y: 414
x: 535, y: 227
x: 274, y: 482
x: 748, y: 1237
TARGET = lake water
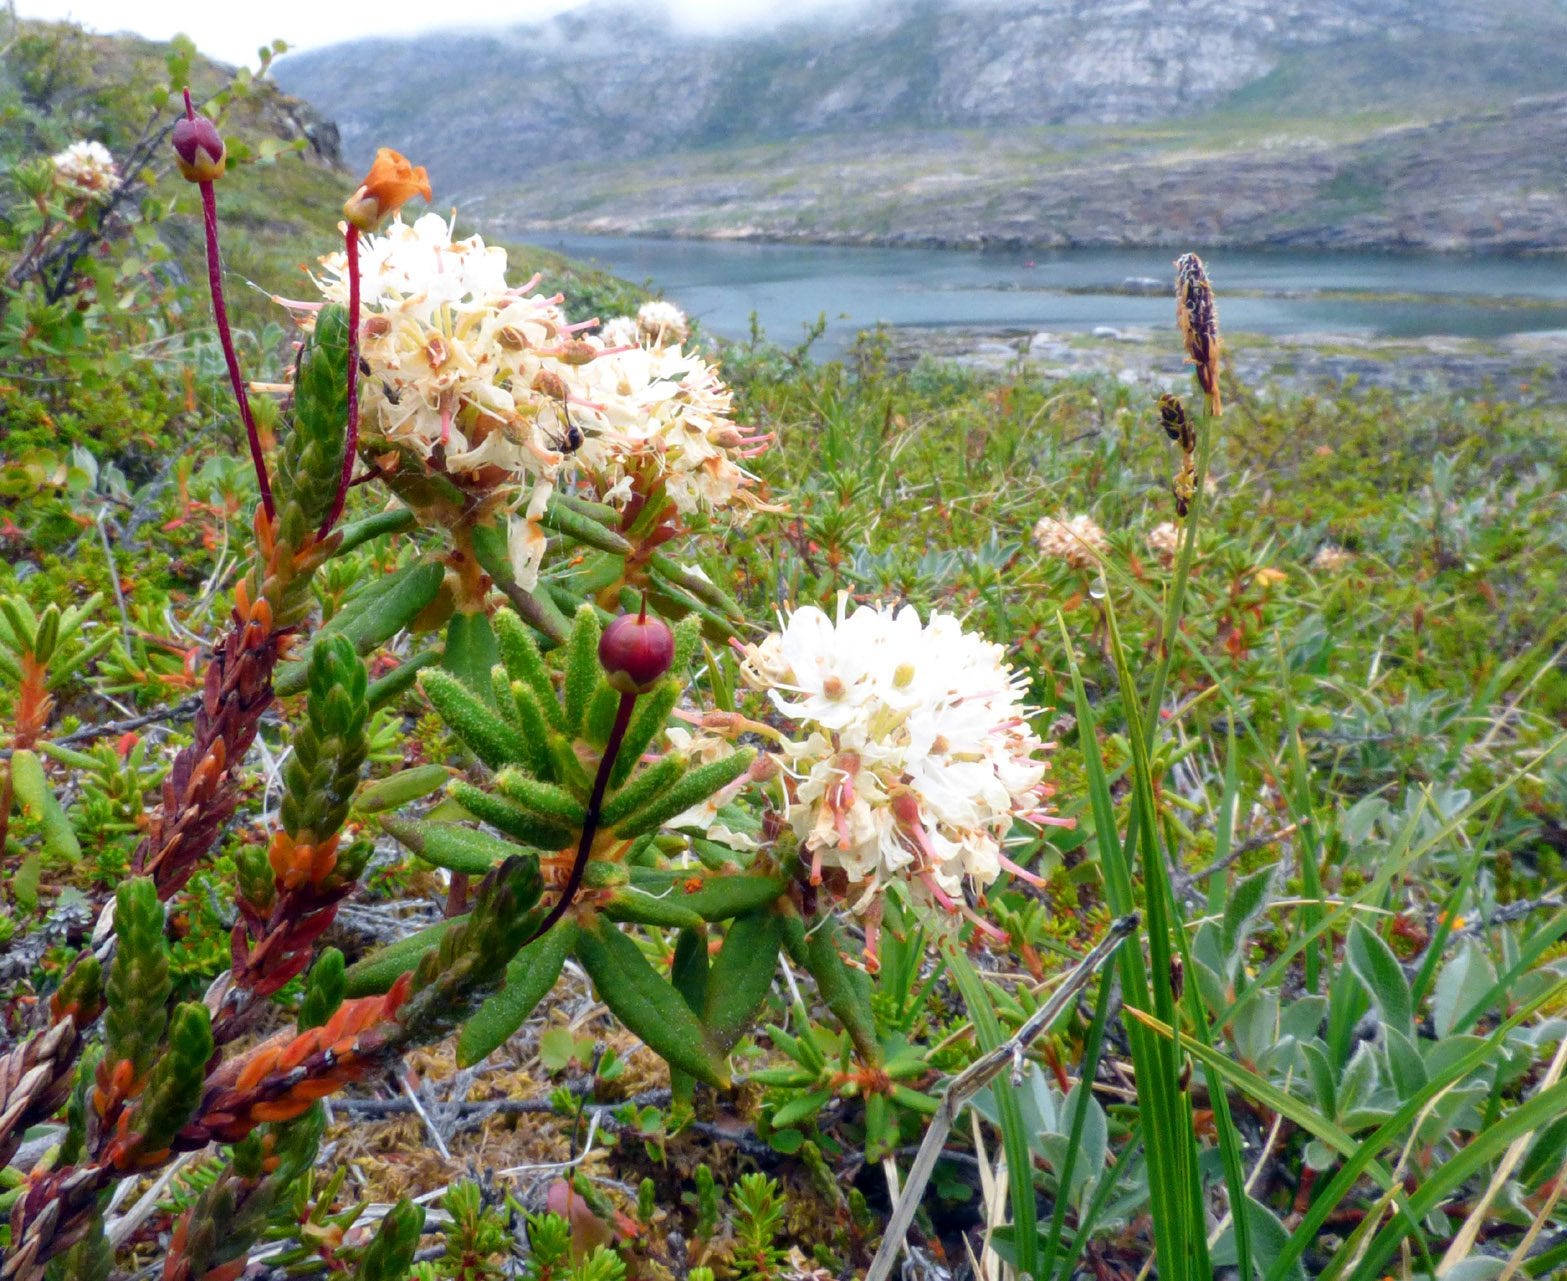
x: 788, y: 286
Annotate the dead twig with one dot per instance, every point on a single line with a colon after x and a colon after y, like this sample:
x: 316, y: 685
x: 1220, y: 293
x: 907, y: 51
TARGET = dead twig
x: 975, y: 1077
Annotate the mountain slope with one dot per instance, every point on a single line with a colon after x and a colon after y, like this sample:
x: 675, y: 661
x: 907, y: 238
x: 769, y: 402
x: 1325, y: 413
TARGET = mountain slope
x: 1484, y: 182
x: 962, y: 121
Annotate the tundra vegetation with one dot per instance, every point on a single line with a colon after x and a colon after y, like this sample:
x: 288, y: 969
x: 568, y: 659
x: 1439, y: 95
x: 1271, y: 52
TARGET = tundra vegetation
x: 498, y: 787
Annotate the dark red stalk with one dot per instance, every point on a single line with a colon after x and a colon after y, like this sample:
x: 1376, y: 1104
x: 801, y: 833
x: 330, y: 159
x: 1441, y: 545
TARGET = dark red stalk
x: 220, y: 314
x: 590, y: 821
x: 351, y: 437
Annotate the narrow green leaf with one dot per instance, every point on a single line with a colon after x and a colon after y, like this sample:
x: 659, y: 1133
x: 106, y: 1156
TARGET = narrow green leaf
x: 529, y: 978
x: 490, y: 738
x: 645, y: 1002
x: 401, y: 788
x: 512, y: 819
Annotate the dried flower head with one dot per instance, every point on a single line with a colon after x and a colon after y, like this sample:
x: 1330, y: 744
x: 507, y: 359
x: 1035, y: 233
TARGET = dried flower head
x: 1164, y: 540
x: 1077, y: 540
x: 660, y: 323
x: 87, y: 169
x: 1331, y: 559
x: 391, y: 183
x: 1198, y: 319
x: 913, y: 754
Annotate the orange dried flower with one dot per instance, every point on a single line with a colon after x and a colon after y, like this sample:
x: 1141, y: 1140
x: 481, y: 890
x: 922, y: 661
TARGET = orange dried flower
x: 391, y: 183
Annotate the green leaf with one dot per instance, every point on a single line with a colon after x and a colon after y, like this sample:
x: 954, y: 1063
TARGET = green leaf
x: 324, y: 990
x: 520, y: 653
x: 1374, y: 964
x: 552, y: 803
x: 583, y: 529
x: 458, y: 849
x: 377, y: 972
x: 846, y: 991
x: 649, y: 1007
x: 473, y: 720
x: 139, y: 981
x: 391, y: 1255
x: 1268, y: 1237
x: 630, y: 904
x: 37, y: 802
x: 1246, y: 902
x: 582, y: 667
x: 470, y: 652
x: 1464, y: 980
x: 399, y: 680
x: 376, y: 615
x: 401, y: 788
x: 25, y: 882
x: 647, y: 725
x: 529, y: 978
x: 696, y: 786
x: 740, y: 977
x: 512, y: 819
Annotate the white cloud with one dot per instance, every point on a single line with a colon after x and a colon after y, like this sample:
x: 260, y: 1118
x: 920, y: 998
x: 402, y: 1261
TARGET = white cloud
x: 233, y: 32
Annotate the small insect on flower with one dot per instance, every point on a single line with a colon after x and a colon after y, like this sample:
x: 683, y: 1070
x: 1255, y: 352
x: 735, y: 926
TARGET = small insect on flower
x: 553, y: 385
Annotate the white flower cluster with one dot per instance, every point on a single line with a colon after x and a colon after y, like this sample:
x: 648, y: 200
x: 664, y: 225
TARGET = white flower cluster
x: 1331, y: 559
x: 1078, y: 541
x: 87, y: 168
x: 914, y: 755
x: 1164, y: 539
x: 660, y: 323
x: 497, y: 386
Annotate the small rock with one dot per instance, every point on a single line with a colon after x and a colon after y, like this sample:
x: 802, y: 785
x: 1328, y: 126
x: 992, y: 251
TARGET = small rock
x: 1106, y: 331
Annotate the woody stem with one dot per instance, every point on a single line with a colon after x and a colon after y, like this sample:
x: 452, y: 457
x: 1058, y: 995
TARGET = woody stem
x: 351, y: 436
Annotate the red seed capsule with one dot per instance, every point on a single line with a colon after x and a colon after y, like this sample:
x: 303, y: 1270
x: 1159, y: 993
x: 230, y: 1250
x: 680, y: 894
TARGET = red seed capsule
x: 198, y: 149
x: 635, y: 651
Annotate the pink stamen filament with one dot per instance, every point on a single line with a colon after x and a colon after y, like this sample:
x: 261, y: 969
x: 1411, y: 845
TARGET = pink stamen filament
x: 984, y: 926
x: 1022, y: 873
x: 936, y: 892
x: 351, y: 435
x: 220, y: 316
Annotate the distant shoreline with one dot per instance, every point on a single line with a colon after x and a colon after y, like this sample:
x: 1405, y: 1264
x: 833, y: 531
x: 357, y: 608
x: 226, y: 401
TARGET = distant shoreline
x: 984, y: 243
x: 1520, y: 367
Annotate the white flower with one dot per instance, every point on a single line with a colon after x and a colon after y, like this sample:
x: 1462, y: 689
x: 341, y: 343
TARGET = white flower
x: 663, y: 414
x: 1331, y: 559
x: 913, y: 754
x: 662, y: 323
x: 620, y: 331
x: 492, y: 384
x: 1078, y: 541
x: 87, y: 168
x: 1164, y: 539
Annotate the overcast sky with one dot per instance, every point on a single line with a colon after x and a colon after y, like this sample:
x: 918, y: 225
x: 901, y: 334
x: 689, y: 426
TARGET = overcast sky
x: 233, y: 29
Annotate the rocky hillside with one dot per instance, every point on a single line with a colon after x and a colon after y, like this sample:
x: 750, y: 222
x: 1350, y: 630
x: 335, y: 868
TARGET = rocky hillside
x: 1367, y: 122
x: 1485, y: 182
